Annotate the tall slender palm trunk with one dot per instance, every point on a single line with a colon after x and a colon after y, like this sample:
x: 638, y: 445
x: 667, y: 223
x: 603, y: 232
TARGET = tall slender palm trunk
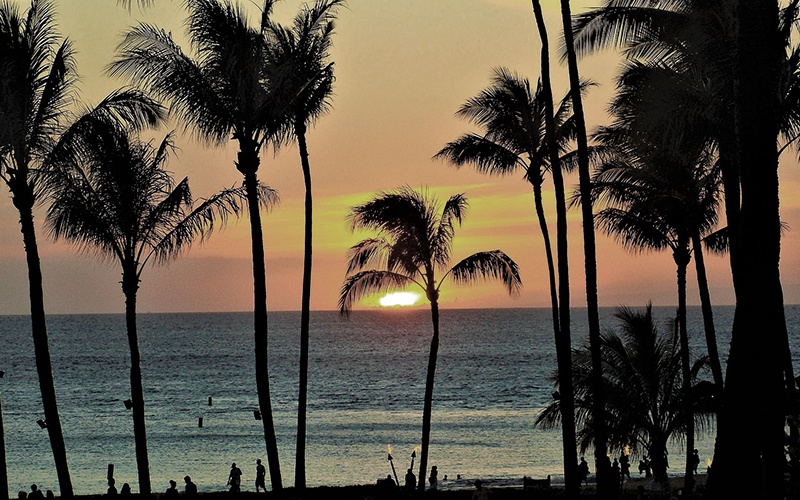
x: 548, y: 250
x: 305, y: 313
x: 427, y: 409
x: 23, y: 201
x: 590, y: 257
x: 682, y: 256
x: 130, y: 286
x: 248, y: 164
x: 708, y: 317
x: 3, y: 463
x: 563, y: 335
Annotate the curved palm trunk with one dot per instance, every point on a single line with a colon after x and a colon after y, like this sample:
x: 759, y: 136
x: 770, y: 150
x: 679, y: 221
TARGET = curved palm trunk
x: 305, y: 313
x: 130, y: 286
x: 428, y: 405
x: 563, y: 335
x: 24, y: 203
x: 708, y: 316
x: 248, y: 164
x: 682, y: 257
x: 590, y: 257
x: 551, y: 270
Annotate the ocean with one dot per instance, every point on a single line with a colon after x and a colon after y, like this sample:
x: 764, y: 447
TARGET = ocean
x: 367, y: 378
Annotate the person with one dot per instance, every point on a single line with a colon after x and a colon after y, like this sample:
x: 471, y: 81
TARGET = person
x: 190, y: 490
x: 35, y: 494
x: 625, y: 466
x: 172, y: 491
x: 433, y: 480
x: 583, y: 471
x: 411, y: 481
x: 615, y: 479
x: 261, y: 474
x: 22, y: 495
x: 480, y: 492
x: 644, y: 466
x: 49, y: 495
x: 126, y: 490
x: 695, y: 461
x: 235, y: 478
x: 112, y: 490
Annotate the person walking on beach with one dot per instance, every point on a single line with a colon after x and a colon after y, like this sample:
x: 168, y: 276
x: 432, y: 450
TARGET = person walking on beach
x: 235, y: 478
x: 261, y: 474
x: 695, y: 461
x: 190, y: 490
x: 411, y: 481
x: 433, y: 480
x: 583, y: 471
x: 625, y: 466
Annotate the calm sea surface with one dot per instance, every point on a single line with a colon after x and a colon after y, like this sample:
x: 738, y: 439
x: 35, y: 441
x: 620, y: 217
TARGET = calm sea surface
x: 367, y: 378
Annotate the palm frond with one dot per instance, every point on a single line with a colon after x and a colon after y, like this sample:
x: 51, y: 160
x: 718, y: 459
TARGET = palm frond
x: 491, y: 265
x: 368, y: 282
x: 372, y: 252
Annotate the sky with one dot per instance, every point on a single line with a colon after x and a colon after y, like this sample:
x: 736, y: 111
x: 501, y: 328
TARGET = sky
x: 403, y: 67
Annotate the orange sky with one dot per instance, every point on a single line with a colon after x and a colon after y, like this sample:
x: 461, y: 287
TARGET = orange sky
x: 403, y: 68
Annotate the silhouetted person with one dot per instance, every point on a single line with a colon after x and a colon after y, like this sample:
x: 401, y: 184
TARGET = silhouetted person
x: 235, y: 478
x: 48, y: 495
x: 126, y: 490
x: 625, y: 466
x: 583, y: 471
x: 261, y: 474
x: 112, y: 490
x: 35, y: 494
x: 433, y: 480
x: 22, y: 495
x: 411, y: 481
x: 172, y: 491
x: 695, y: 461
x: 189, y: 489
x: 480, y: 492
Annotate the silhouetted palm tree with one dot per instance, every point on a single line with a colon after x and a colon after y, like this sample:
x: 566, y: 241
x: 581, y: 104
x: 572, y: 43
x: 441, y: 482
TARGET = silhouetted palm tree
x: 227, y: 91
x: 118, y: 200
x: 515, y: 138
x: 642, y: 383
x: 412, y: 247
x: 589, y: 245
x: 299, y: 54
x: 36, y: 91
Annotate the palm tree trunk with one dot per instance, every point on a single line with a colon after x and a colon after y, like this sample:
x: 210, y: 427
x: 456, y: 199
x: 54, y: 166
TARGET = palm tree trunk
x: 551, y: 270
x: 563, y: 335
x: 23, y: 200
x: 682, y: 256
x: 305, y: 313
x: 428, y: 405
x: 658, y: 460
x: 3, y: 463
x: 260, y: 316
x: 590, y: 256
x: 130, y: 286
x: 749, y: 460
x: 708, y: 316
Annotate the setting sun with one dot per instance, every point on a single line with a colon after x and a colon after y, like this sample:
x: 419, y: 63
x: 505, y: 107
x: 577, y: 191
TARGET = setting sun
x: 399, y: 299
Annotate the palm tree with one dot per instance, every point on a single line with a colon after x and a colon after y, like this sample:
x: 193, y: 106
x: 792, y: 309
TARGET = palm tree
x: 589, y: 246
x: 226, y: 91
x: 119, y: 201
x: 300, y: 55
x: 642, y: 382
x: 413, y: 245
x: 515, y: 138
x: 37, y: 79
x: 662, y: 203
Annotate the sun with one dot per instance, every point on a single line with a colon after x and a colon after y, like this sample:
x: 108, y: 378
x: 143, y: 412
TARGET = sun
x: 399, y: 299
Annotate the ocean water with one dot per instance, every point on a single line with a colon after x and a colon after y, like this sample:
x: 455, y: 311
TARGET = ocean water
x: 367, y: 377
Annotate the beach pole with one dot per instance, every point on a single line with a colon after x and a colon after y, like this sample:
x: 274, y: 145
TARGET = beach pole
x: 391, y: 461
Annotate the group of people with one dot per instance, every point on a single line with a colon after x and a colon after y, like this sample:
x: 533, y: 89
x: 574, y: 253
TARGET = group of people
x: 35, y: 494
x: 235, y: 477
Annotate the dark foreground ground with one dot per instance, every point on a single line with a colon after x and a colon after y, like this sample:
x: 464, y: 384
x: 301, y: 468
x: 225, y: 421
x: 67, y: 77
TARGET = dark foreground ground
x: 374, y: 492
